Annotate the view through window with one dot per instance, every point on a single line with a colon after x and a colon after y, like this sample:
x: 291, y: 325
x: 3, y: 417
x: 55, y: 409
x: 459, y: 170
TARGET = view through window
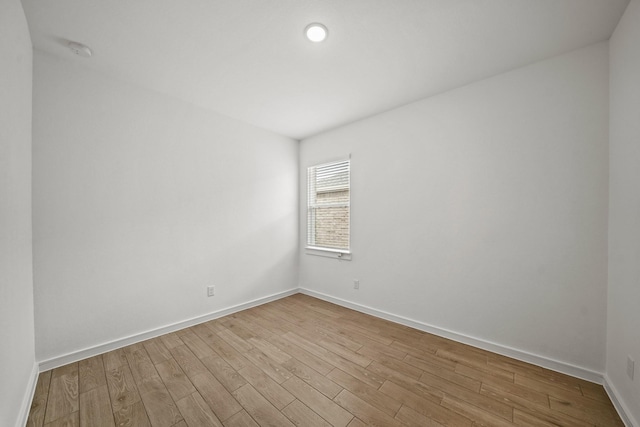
x: 329, y: 199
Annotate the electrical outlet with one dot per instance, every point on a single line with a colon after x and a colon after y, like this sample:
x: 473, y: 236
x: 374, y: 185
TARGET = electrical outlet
x: 211, y: 291
x: 356, y: 284
x: 630, y: 367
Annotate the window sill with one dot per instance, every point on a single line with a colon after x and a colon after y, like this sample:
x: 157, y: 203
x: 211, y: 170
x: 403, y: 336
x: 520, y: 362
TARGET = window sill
x: 339, y: 254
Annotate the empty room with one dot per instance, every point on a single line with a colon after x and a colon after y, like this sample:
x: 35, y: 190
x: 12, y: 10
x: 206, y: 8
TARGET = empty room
x: 320, y: 213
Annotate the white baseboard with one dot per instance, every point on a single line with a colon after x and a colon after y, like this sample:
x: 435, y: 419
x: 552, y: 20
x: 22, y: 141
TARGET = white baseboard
x: 75, y: 356
x: 545, y: 362
x: 619, y: 404
x: 25, y: 407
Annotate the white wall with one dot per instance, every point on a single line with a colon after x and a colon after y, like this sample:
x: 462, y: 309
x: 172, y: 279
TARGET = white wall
x: 17, y: 354
x: 483, y: 210
x: 623, y: 314
x: 141, y: 201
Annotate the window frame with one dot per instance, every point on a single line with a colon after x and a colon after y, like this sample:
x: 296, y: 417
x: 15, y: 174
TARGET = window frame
x: 314, y: 249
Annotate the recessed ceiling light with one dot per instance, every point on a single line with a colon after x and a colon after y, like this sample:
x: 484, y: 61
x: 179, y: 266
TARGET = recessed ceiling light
x: 316, y: 32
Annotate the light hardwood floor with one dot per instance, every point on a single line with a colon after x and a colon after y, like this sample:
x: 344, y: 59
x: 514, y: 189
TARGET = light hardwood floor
x: 302, y: 361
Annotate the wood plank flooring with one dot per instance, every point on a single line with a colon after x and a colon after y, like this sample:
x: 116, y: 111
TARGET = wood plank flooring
x: 300, y: 361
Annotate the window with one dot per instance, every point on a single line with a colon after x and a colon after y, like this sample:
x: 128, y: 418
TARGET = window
x: 328, y: 206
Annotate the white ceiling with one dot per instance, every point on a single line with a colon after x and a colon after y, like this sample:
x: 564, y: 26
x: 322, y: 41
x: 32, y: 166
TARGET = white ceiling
x: 248, y: 59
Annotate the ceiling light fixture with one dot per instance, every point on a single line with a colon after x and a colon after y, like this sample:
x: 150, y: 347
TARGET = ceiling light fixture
x: 316, y: 32
x: 80, y: 49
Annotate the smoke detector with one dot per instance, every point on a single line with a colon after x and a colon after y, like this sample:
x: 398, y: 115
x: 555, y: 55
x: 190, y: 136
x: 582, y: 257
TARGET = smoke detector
x: 79, y: 49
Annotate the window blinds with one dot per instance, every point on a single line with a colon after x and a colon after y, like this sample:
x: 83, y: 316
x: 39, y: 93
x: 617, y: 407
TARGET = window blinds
x: 328, y: 207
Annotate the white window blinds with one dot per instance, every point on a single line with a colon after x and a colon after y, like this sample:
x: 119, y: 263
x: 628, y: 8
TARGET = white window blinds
x: 328, y: 207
